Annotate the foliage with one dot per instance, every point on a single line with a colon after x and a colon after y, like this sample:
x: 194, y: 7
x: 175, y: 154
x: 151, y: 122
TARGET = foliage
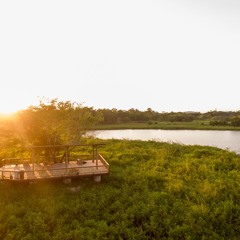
x: 154, y: 191
x: 53, y: 122
x: 235, y: 121
x: 10, y: 142
x: 134, y: 115
x: 194, y: 125
x: 114, y: 118
x: 218, y: 123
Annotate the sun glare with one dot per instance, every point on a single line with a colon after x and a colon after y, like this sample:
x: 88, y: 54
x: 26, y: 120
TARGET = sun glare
x: 7, y: 111
x: 8, y: 108
x: 10, y: 105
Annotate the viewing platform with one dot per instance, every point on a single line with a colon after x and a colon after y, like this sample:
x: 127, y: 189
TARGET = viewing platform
x: 55, y: 162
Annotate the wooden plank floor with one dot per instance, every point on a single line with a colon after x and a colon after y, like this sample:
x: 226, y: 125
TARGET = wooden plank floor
x: 57, y: 170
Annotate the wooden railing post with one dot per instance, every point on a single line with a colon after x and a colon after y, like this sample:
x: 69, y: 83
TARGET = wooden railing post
x: 93, y: 150
x: 97, y: 157
x: 67, y: 158
x: 33, y: 159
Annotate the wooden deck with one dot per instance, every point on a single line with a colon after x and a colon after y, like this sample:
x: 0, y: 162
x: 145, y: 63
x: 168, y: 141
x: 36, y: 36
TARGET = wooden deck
x: 24, y: 170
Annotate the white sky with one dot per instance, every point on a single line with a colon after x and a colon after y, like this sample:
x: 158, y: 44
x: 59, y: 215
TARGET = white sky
x: 170, y: 55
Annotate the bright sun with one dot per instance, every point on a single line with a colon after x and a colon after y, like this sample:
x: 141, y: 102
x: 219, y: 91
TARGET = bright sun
x: 8, y: 106
x: 7, y: 109
x: 11, y: 104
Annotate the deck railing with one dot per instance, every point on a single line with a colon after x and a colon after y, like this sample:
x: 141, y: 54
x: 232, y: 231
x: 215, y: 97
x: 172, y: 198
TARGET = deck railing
x: 48, y: 171
x: 15, y: 161
x: 53, y: 173
x: 105, y: 163
x: 55, y: 161
x: 42, y: 159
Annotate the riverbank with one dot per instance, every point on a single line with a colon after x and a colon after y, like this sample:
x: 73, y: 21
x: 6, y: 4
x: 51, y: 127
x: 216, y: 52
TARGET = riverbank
x: 194, y: 125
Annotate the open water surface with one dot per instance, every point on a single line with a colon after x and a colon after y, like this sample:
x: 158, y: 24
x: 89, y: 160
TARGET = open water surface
x: 222, y: 139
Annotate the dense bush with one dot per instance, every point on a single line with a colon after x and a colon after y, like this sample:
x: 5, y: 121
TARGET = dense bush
x: 154, y: 191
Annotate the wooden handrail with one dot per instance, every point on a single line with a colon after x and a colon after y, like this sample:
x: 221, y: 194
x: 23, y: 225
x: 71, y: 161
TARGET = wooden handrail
x: 64, y: 146
x: 105, y: 163
x: 12, y: 161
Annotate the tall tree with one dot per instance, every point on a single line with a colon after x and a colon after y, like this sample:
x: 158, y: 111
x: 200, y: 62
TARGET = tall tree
x: 55, y: 122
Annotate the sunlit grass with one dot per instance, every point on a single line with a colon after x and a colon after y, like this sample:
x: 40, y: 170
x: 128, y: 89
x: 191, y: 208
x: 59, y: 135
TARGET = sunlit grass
x: 154, y: 191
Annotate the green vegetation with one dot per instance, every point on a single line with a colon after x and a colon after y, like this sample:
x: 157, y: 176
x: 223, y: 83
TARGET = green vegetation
x: 133, y: 118
x: 154, y: 191
x: 194, y: 125
x: 52, y: 122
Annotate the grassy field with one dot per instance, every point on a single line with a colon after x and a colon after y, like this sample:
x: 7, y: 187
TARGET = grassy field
x: 194, y: 125
x: 154, y: 191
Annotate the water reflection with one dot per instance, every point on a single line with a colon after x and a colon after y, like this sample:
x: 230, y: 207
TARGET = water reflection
x: 222, y: 139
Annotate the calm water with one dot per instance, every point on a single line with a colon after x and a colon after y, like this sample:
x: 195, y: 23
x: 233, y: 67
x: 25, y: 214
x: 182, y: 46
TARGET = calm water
x: 222, y: 139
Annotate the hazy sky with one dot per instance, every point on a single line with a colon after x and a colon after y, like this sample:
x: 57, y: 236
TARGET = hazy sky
x: 170, y: 55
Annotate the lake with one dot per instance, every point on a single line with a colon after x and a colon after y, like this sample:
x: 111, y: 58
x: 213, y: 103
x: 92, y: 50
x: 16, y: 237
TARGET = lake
x: 222, y: 139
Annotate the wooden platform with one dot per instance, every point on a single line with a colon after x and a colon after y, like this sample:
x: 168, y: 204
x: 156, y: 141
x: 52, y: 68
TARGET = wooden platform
x: 25, y: 172
x: 43, y: 166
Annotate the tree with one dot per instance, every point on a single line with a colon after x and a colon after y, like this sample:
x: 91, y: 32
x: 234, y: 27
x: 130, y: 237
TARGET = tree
x: 10, y: 143
x: 235, y: 121
x: 55, y: 122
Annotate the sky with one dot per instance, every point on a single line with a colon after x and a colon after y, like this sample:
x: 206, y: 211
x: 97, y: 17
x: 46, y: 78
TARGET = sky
x: 168, y: 55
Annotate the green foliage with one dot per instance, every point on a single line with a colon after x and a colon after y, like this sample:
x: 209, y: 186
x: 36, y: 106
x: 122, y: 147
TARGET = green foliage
x: 114, y: 116
x: 218, y: 123
x: 10, y: 142
x: 133, y: 118
x: 154, y: 191
x: 235, y: 121
x: 52, y: 122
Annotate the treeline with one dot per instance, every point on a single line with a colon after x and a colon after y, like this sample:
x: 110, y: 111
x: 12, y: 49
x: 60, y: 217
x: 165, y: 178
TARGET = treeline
x: 220, y: 118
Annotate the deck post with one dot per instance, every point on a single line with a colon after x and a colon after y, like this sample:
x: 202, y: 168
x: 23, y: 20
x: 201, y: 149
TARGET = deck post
x: 67, y: 180
x: 97, y: 157
x: 93, y: 150
x: 97, y: 178
x: 66, y: 158
x: 33, y: 160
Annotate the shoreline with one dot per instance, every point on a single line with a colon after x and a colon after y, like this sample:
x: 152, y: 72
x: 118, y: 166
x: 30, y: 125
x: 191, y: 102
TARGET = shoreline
x: 166, y: 126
